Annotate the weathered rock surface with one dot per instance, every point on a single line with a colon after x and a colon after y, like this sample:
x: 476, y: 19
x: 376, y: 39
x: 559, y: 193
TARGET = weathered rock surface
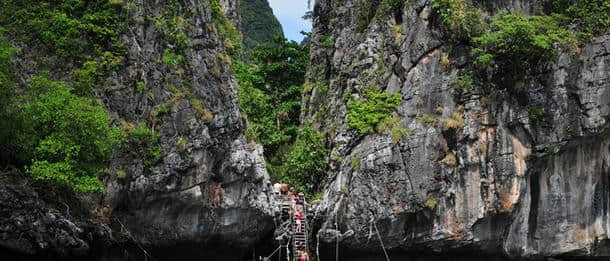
x: 28, y: 226
x: 503, y: 184
x: 208, y: 191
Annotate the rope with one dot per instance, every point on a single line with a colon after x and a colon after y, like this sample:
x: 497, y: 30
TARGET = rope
x: 380, y: 241
x: 269, y: 256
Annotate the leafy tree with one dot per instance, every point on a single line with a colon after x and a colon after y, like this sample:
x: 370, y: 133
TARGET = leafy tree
x: 305, y: 163
x: 270, y: 96
x: 270, y: 93
x: 66, y: 138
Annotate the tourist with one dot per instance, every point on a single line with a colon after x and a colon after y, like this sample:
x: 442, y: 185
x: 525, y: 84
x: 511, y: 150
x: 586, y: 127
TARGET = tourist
x: 301, y: 198
x: 284, y: 189
x: 298, y: 217
x: 303, y: 256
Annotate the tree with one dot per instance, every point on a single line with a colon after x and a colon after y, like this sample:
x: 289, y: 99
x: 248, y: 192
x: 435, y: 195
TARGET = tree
x: 66, y: 138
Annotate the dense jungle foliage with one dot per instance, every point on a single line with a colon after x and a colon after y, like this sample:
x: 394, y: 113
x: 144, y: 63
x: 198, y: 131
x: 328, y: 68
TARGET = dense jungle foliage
x: 270, y: 96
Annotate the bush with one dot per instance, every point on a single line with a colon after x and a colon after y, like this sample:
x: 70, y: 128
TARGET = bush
x: 305, y: 162
x: 171, y: 59
x: 464, y: 82
x: 516, y: 43
x: 460, y: 20
x: 71, y: 29
x: 536, y: 113
x: 592, y: 17
x: 67, y: 138
x: 375, y: 107
x: 144, y: 143
x: 427, y: 119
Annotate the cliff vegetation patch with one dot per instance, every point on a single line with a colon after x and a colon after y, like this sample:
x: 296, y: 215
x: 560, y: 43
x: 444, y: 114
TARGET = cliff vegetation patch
x: 373, y: 108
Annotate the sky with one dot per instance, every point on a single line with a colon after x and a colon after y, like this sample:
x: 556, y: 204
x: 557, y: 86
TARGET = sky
x: 289, y: 12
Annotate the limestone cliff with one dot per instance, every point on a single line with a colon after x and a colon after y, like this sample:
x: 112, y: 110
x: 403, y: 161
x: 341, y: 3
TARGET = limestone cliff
x: 496, y: 182
x: 205, y: 194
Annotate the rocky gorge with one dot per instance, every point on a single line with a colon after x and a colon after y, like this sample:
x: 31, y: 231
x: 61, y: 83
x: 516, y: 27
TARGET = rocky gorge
x: 521, y: 172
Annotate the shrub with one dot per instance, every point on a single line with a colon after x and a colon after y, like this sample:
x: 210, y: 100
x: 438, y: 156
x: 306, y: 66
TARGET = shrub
x: 427, y: 119
x: 392, y: 126
x: 171, y: 59
x: 592, y: 17
x: 460, y: 20
x: 455, y: 122
x: 174, y: 26
x: 388, y: 6
x: 202, y: 112
x: 375, y: 107
x: 431, y: 203
x: 305, y: 162
x: 71, y: 29
x: 86, y: 78
x: 355, y: 162
x: 536, y: 113
x: 144, y: 143
x: 326, y: 42
x: 66, y: 137
x: 464, y: 82
x: 516, y: 43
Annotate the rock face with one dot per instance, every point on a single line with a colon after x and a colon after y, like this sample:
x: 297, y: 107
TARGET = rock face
x: 258, y: 23
x: 503, y: 183
x: 208, y: 190
x: 28, y: 225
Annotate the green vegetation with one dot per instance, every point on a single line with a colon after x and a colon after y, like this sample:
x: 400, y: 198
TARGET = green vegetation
x: 70, y: 29
x: 517, y: 43
x: 431, y: 203
x: 305, y: 163
x: 258, y: 23
x: 270, y: 90
x: 365, y: 114
x: 171, y: 59
x: 592, y: 17
x: 86, y: 78
x: 327, y: 42
x: 145, y: 144
x: 54, y: 130
x: 226, y: 29
x: 427, y: 119
x: 66, y: 137
x: 388, y: 6
x: 536, y: 113
x: 121, y: 174
x: 464, y: 82
x: 456, y: 121
x: 174, y: 24
x: 460, y: 20
x: 392, y: 126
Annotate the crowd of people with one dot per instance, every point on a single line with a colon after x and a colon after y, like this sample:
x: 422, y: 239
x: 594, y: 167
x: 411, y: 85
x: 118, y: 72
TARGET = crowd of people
x: 284, y: 193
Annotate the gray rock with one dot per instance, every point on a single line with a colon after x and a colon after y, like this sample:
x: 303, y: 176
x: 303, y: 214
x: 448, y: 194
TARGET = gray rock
x: 517, y: 187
